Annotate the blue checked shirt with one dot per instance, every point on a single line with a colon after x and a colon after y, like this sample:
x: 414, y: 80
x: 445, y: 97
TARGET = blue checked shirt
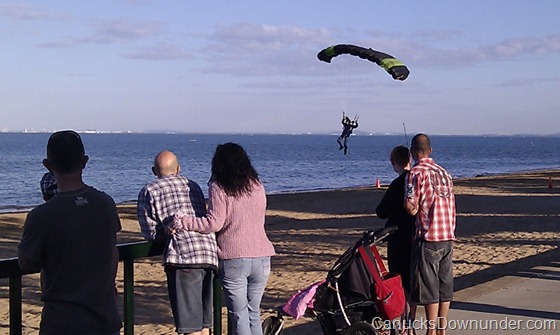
x: 157, y: 203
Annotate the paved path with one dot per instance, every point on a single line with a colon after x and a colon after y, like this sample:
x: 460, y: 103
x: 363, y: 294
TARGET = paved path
x: 525, y: 303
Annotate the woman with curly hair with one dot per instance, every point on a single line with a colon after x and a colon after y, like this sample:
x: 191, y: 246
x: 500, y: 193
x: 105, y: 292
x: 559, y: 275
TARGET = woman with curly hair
x: 236, y: 212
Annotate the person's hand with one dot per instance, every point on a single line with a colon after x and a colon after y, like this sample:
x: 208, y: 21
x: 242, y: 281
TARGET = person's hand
x: 169, y: 230
x: 172, y: 229
x: 175, y: 226
x: 411, y: 207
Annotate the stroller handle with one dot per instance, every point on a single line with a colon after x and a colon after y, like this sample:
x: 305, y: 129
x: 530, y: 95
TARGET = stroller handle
x: 369, y: 237
x: 376, y: 236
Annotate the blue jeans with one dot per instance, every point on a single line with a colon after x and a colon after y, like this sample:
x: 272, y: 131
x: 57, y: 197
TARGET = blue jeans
x: 244, y: 281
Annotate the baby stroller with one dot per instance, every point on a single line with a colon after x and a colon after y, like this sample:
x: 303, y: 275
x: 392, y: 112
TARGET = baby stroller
x: 346, y: 303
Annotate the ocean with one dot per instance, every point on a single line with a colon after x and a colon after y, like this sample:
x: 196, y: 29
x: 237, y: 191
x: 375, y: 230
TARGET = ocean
x: 120, y: 163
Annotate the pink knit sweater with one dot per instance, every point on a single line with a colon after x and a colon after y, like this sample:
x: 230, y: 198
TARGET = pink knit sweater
x: 237, y: 221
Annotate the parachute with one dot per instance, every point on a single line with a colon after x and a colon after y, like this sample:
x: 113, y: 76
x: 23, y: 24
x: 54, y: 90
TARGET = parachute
x: 392, y: 65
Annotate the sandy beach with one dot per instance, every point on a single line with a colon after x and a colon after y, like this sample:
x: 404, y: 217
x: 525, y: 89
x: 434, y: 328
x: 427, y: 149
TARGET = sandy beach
x: 504, y: 223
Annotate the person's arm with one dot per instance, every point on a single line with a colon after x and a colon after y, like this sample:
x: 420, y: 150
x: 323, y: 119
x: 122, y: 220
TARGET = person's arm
x: 31, y: 244
x: 385, y: 207
x: 411, y: 208
x: 146, y: 216
x: 27, y: 264
x: 411, y: 194
x: 215, y: 217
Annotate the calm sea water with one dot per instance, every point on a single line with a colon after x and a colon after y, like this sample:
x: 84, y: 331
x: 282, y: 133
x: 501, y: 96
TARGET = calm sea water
x: 120, y: 164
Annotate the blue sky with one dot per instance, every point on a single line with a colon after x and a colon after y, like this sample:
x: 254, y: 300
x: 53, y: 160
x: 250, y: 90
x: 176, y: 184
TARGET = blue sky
x: 477, y: 67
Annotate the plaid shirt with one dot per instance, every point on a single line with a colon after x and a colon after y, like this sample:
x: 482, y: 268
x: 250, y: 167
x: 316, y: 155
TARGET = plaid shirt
x: 431, y: 187
x: 48, y: 185
x: 158, y: 202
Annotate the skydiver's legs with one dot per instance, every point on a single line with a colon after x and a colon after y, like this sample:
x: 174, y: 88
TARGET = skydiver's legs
x: 339, y: 143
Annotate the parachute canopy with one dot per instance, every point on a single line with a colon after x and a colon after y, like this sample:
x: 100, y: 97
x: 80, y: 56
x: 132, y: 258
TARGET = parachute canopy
x: 392, y: 65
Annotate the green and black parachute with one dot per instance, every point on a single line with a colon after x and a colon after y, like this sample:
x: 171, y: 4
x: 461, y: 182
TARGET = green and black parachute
x: 392, y: 65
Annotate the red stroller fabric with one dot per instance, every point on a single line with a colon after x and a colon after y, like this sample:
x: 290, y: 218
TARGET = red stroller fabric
x: 389, y: 294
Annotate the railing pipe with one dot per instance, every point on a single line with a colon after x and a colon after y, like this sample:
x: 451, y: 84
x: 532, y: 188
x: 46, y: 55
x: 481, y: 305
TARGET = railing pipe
x: 128, y: 252
x: 15, y: 305
x: 217, y: 329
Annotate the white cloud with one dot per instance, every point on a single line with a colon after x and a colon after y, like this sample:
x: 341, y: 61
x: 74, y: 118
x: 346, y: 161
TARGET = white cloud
x: 510, y: 49
x: 527, y: 81
x: 250, y: 49
x: 28, y: 12
x: 111, y: 32
x: 122, y: 30
x: 159, y: 52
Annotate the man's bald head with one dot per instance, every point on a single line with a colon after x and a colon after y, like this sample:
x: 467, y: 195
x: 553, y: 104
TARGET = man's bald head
x: 420, y: 146
x: 166, y: 164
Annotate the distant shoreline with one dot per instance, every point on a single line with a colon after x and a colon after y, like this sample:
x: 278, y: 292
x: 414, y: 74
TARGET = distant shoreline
x: 331, y: 133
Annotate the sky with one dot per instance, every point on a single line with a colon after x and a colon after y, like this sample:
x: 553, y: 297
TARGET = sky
x: 477, y: 67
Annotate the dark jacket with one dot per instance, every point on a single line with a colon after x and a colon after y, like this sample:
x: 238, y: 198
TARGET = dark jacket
x: 392, y: 208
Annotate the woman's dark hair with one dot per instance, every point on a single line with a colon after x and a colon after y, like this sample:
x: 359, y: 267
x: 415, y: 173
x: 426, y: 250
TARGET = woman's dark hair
x: 232, y: 169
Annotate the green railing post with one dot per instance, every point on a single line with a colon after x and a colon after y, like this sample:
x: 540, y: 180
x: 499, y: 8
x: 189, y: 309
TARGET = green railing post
x: 217, y: 306
x: 128, y: 296
x: 128, y: 252
x: 15, y: 305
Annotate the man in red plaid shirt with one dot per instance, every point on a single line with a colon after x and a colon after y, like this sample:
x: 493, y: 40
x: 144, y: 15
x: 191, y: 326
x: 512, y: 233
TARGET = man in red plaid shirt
x: 429, y: 196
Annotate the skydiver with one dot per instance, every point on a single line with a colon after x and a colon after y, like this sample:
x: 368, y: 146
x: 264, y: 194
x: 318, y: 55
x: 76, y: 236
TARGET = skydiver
x: 348, y: 126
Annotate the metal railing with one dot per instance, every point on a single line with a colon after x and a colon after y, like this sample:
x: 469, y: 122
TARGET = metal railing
x: 128, y: 253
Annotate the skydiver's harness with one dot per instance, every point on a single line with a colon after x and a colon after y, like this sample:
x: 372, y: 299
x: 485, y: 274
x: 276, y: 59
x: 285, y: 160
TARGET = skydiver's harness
x: 349, y: 126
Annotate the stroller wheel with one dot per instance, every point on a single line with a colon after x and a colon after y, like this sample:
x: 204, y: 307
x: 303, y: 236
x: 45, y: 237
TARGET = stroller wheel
x: 360, y: 328
x: 272, y: 325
